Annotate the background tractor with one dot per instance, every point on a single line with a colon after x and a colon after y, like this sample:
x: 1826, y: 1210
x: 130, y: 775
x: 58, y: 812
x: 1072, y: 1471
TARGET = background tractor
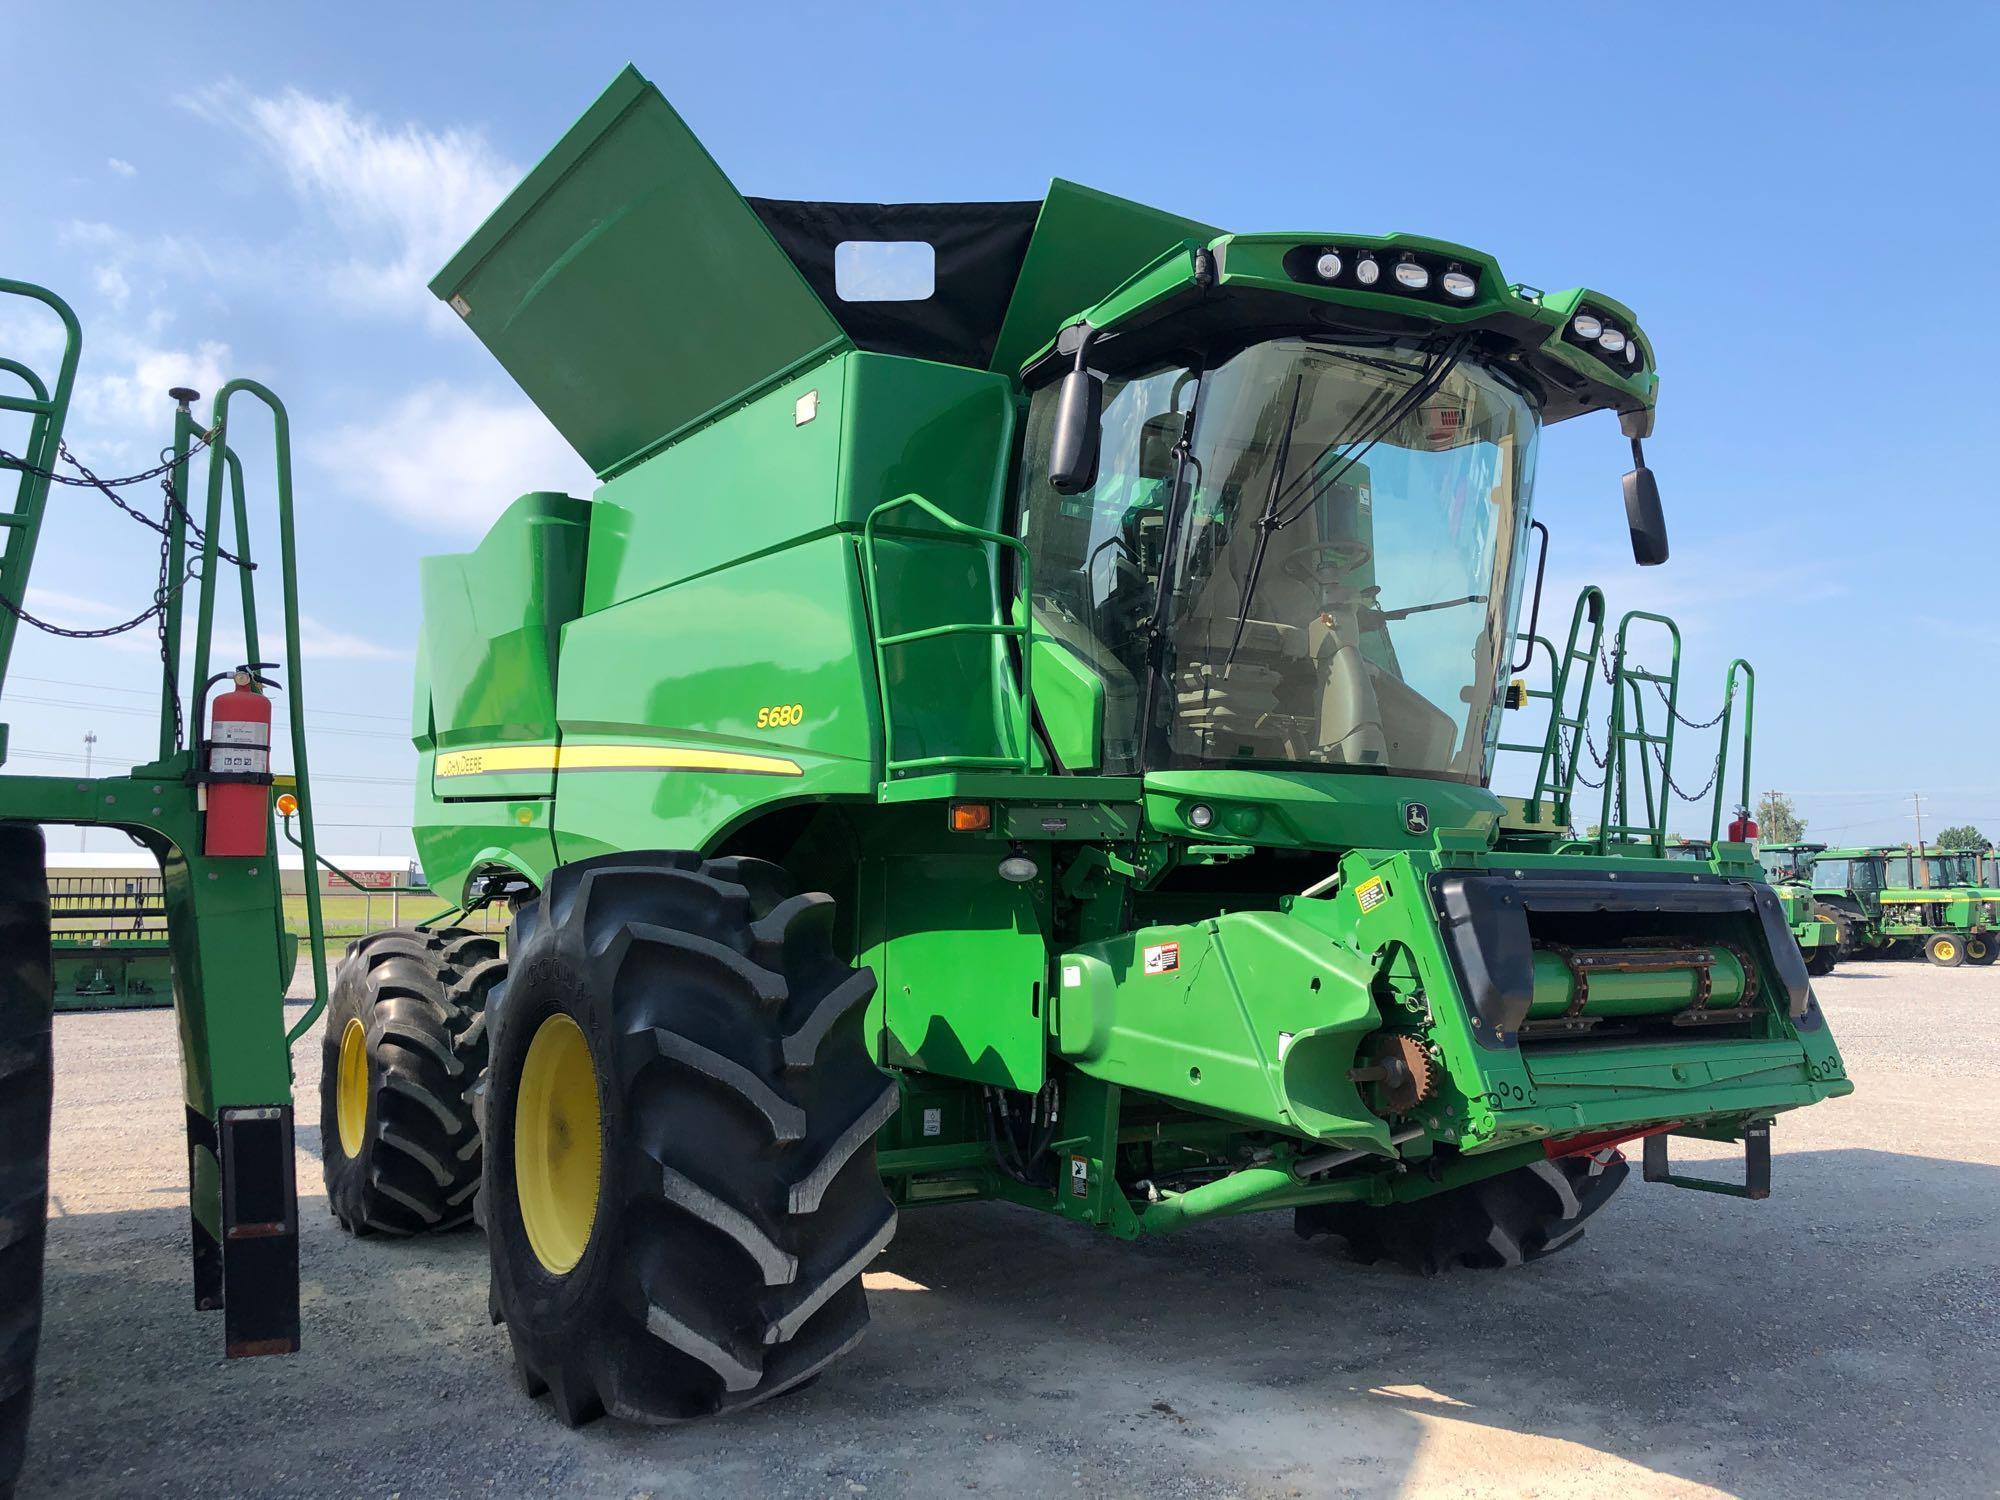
x: 1015, y: 722
x: 215, y: 924
x: 1815, y: 926
x: 1921, y: 903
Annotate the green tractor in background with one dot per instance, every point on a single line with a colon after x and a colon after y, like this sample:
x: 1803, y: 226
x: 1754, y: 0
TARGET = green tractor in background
x: 1855, y: 925
x: 1014, y: 723
x: 1930, y: 903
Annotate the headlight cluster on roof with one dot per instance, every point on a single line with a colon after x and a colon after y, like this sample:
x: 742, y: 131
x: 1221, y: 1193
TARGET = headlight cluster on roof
x: 1417, y: 273
x: 1595, y: 330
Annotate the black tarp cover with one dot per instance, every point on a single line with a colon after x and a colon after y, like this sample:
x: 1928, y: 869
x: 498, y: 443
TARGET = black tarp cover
x: 978, y: 248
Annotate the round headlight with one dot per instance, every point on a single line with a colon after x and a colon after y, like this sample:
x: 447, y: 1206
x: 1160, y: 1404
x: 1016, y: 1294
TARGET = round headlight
x: 1586, y: 327
x: 1611, y: 339
x: 1459, y: 285
x: 1367, y: 270
x: 1328, y: 265
x: 1412, y: 275
x: 1201, y: 815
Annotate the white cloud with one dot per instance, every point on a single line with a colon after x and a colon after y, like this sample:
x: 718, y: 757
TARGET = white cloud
x: 122, y: 167
x: 398, y: 199
x: 72, y: 611
x: 318, y: 642
x: 123, y: 390
x: 449, y: 460
x: 112, y: 286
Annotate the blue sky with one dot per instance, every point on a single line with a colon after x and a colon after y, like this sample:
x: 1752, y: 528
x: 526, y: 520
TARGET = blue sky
x: 1790, y: 196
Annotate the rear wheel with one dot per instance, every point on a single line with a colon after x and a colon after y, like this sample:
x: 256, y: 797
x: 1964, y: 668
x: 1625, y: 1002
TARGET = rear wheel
x: 27, y: 1078
x: 680, y: 1119
x: 1980, y: 948
x: 1821, y: 960
x: 405, y: 1037
x: 1505, y: 1220
x: 1945, y: 950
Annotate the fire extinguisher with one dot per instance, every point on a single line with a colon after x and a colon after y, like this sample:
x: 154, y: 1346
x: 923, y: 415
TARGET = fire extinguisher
x: 1743, y: 828
x: 234, y: 765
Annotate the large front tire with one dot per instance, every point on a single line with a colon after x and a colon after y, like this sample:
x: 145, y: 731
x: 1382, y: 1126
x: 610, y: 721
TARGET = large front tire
x: 27, y: 1086
x: 1493, y: 1224
x: 405, y: 1039
x: 680, y: 1117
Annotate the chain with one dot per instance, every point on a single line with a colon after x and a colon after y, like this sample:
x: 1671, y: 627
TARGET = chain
x: 88, y: 479
x: 1687, y: 723
x: 1706, y: 787
x: 165, y: 588
x: 160, y: 601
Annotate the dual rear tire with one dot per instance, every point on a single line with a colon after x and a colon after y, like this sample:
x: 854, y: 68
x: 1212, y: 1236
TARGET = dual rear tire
x: 672, y: 1146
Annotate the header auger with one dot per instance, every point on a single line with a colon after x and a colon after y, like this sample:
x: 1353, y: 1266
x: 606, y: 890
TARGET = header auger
x: 1027, y: 733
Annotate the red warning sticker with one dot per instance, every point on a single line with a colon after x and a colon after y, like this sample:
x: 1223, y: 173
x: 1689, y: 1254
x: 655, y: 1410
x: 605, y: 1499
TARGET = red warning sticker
x: 1163, y: 958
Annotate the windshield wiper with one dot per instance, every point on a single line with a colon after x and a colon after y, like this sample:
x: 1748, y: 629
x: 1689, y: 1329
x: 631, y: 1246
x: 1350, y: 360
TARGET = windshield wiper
x: 1264, y: 526
x: 1420, y: 609
x: 1351, y: 451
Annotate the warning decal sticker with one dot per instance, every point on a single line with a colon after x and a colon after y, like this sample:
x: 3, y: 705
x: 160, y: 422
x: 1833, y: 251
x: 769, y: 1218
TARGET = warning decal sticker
x: 1371, y: 893
x: 1163, y: 958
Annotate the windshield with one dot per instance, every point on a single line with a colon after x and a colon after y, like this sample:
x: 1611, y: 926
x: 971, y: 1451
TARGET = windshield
x: 1687, y: 849
x: 1837, y: 875
x: 1897, y: 873
x: 1788, y: 864
x: 1952, y: 869
x: 1340, y: 555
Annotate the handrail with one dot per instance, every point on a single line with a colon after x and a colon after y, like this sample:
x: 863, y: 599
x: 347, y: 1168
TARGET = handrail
x: 50, y: 410
x: 1625, y: 684
x: 1561, y: 748
x: 956, y: 531
x: 1736, y: 667
x: 219, y: 457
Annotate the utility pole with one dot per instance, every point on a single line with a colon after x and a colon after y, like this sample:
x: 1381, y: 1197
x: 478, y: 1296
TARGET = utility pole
x: 1923, y: 870
x: 89, y: 744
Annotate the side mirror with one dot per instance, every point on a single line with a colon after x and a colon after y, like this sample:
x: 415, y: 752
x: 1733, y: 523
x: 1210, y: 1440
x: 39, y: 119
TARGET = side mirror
x: 1073, y: 451
x: 1643, y: 514
x: 1157, y: 440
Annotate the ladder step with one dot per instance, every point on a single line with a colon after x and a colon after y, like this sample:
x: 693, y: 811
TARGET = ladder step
x: 8, y: 518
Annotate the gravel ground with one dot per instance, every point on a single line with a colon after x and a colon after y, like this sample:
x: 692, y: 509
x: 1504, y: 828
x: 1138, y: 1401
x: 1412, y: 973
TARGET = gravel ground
x: 1841, y: 1338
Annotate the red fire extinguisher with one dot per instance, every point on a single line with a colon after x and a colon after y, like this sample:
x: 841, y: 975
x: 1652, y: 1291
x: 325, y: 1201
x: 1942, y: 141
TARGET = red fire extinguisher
x: 235, y: 767
x: 1743, y: 828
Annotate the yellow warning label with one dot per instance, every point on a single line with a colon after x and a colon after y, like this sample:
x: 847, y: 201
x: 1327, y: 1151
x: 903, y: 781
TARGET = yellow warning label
x: 1371, y: 893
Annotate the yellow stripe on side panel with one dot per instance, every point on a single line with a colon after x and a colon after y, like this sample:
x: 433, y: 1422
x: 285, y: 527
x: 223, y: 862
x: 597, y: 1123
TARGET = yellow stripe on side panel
x: 503, y: 758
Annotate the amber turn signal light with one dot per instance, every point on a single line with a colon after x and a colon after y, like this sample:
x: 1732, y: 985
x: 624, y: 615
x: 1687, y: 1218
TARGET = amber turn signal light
x: 287, y: 804
x: 971, y: 817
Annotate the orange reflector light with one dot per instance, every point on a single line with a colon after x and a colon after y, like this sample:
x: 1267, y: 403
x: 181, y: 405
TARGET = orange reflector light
x: 971, y: 817
x: 287, y: 804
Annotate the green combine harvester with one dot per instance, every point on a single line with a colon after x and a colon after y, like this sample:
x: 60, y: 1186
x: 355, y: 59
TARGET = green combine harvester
x: 1931, y: 904
x: 1014, y: 723
x: 212, y: 931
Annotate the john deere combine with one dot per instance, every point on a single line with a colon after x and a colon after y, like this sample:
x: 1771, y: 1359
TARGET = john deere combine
x: 1027, y: 740
x: 202, y: 807
x: 1932, y: 904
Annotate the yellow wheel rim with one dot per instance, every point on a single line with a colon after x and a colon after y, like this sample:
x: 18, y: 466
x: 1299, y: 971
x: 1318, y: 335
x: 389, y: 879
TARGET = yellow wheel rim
x: 557, y: 1151
x: 1975, y: 949
x: 1946, y: 949
x: 350, y: 1088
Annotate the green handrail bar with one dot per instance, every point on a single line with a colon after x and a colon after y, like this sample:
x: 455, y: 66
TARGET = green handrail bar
x: 956, y: 531
x: 1626, y: 732
x: 295, y: 688
x: 1737, y: 668
x: 50, y: 409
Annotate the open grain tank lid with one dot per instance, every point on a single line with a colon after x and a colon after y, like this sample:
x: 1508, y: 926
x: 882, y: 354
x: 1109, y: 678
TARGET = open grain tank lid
x: 631, y: 290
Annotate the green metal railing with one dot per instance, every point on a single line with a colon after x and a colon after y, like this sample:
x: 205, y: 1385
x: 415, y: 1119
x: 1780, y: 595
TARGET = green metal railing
x: 1562, y: 744
x: 47, y: 408
x: 1738, y: 668
x: 1628, y: 733
x: 221, y: 459
x: 955, y: 531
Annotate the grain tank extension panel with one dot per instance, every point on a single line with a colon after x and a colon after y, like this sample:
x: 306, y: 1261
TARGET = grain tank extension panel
x: 631, y: 290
